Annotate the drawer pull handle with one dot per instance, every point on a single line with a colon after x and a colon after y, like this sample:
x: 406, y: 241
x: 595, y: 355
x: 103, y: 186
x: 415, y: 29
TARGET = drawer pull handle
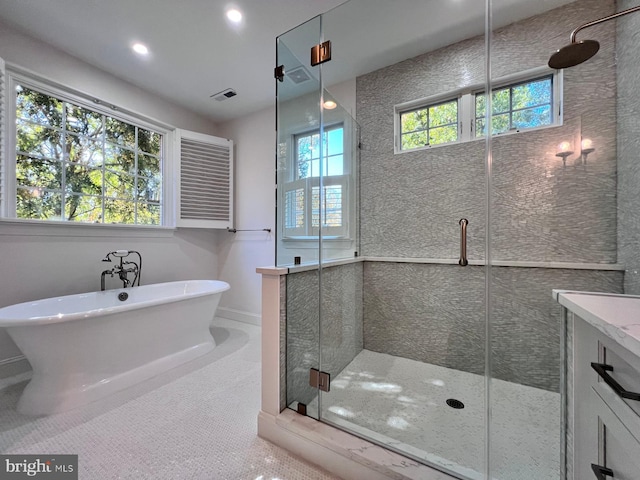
x: 602, y: 370
x: 601, y: 472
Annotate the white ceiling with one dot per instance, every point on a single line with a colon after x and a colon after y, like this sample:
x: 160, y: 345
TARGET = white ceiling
x: 195, y: 52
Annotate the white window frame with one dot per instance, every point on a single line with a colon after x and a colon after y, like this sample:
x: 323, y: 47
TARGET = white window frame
x: 442, y: 101
x: 17, y: 76
x: 308, y: 232
x: 467, y: 106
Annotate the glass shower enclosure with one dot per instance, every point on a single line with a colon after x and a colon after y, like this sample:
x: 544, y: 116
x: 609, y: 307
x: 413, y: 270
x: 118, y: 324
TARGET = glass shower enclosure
x: 435, y: 181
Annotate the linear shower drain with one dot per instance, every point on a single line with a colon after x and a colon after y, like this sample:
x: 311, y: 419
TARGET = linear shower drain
x: 453, y: 403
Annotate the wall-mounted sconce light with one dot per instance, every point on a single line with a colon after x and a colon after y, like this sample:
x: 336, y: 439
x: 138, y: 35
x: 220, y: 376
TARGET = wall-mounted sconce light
x: 564, y: 151
x: 586, y: 148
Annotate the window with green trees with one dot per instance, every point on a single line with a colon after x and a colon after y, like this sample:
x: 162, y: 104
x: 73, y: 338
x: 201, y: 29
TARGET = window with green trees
x: 429, y: 125
x: 520, y: 101
x: 517, y: 107
x: 79, y: 165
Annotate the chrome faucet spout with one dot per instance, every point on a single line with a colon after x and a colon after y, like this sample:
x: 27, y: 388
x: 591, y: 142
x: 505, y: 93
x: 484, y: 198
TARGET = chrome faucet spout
x: 102, y: 285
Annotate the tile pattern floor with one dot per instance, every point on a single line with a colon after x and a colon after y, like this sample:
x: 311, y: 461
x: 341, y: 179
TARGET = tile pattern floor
x: 402, y: 403
x: 197, y: 421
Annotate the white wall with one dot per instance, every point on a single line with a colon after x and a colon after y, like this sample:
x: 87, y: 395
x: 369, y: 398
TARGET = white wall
x: 345, y: 94
x: 241, y: 253
x: 33, y: 265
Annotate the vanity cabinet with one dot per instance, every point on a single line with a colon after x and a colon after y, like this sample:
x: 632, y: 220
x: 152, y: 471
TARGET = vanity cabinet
x: 603, y: 386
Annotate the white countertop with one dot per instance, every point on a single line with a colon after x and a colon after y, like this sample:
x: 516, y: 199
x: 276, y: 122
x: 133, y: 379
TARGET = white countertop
x: 617, y: 316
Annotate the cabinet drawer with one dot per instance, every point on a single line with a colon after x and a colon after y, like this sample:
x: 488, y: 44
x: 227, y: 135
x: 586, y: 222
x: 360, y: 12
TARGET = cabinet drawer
x: 619, y: 450
x: 624, y: 373
x: 623, y: 369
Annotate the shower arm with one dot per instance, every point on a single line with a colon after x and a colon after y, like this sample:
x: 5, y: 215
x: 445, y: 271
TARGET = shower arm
x: 601, y: 20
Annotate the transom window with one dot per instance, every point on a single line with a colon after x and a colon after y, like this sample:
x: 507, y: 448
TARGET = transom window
x: 303, y: 199
x: 517, y: 107
x: 521, y: 102
x: 79, y: 165
x: 429, y: 125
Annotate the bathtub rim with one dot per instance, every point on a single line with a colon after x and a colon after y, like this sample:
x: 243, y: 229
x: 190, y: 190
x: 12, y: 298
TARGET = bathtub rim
x: 216, y: 287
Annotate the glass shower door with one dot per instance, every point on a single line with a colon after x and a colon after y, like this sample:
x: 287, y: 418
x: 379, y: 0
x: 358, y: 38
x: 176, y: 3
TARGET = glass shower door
x: 298, y: 246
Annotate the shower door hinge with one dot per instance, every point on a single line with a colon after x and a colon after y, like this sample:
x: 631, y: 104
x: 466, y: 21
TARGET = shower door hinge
x: 278, y: 73
x: 320, y: 380
x: 321, y: 53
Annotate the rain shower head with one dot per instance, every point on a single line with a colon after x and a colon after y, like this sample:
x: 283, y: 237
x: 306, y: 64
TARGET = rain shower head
x: 577, y: 52
x: 574, y: 54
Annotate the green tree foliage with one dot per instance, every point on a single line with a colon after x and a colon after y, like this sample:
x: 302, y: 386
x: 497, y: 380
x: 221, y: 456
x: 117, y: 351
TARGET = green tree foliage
x: 433, y: 125
x: 527, y: 105
x: 75, y: 164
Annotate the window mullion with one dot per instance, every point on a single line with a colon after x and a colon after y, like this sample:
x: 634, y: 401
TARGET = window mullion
x: 103, y: 167
x: 63, y: 165
x: 308, y: 207
x: 510, y: 108
x: 135, y: 179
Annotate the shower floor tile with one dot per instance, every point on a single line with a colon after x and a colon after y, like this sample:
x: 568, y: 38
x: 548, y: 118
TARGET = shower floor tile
x: 403, y: 403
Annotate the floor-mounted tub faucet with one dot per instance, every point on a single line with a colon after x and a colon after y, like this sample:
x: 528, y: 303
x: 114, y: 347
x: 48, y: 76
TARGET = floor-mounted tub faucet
x: 123, y: 269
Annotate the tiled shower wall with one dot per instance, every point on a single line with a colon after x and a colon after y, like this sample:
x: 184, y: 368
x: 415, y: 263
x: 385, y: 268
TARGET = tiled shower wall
x: 341, y: 325
x: 435, y: 314
x: 628, y: 68
x: 541, y: 210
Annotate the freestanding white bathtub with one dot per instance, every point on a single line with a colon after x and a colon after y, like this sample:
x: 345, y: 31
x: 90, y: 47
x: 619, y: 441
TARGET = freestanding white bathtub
x: 84, y: 347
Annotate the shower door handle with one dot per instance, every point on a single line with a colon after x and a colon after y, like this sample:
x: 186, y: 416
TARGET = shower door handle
x: 463, y: 242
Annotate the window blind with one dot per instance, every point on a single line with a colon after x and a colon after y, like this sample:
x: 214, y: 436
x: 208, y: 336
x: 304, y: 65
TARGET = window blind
x: 206, y: 181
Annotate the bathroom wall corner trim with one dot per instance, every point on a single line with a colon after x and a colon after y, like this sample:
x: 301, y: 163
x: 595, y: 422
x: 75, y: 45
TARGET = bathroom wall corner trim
x: 10, y: 360
x: 12, y: 366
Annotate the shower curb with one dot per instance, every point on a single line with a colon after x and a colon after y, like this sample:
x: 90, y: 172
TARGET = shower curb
x: 338, y: 452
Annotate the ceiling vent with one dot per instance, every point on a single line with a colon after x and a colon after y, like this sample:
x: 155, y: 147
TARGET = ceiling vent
x: 299, y: 75
x: 224, y: 94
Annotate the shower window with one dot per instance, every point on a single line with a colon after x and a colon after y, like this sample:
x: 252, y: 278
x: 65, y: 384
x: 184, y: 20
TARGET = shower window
x: 429, y: 125
x: 77, y: 164
x: 517, y: 107
x: 304, y: 200
x: 523, y: 101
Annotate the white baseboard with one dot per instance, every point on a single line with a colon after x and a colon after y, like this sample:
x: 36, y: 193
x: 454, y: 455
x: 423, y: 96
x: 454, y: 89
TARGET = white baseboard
x: 13, y: 366
x: 239, y: 316
x: 7, y: 361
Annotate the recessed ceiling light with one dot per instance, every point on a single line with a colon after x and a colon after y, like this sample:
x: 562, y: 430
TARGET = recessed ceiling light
x: 330, y: 104
x: 140, y: 49
x: 234, y: 15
